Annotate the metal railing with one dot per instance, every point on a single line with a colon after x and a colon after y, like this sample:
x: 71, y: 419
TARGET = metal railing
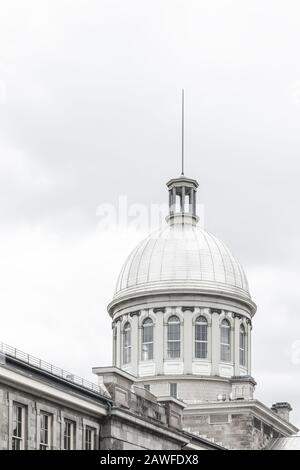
x: 6, y: 350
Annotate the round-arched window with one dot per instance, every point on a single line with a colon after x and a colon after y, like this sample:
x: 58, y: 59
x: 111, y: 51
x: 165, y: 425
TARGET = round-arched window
x: 147, y: 339
x: 173, y: 337
x: 225, y: 340
x: 127, y: 343
x: 201, y: 338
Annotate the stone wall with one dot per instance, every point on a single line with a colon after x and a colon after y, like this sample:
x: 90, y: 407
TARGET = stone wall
x: 119, y: 434
x: 240, y: 432
x: 190, y: 390
x: 137, y: 421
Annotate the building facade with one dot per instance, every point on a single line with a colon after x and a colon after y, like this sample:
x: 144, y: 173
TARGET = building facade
x: 43, y: 407
x: 182, y: 317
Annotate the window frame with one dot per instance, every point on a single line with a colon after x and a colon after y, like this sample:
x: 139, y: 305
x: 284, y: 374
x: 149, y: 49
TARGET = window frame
x: 15, y: 438
x: 199, y: 342
x: 89, y: 444
x: 46, y: 445
x: 171, y: 351
x: 174, y: 392
x: 225, y: 348
x: 127, y: 344
x: 71, y: 436
x: 150, y: 343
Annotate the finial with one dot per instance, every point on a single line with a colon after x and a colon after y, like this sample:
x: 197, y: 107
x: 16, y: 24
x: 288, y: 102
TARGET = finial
x: 182, y: 132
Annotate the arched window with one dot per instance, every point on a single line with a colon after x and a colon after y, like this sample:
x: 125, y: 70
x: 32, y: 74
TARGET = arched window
x: 147, y: 339
x: 127, y: 343
x: 242, y: 346
x: 225, y: 341
x: 173, y: 337
x: 201, y: 338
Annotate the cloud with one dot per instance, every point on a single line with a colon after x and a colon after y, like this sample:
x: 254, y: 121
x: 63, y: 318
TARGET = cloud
x: 54, y: 293
x: 91, y: 111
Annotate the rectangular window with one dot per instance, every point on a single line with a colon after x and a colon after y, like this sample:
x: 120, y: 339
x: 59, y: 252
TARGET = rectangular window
x: 201, y: 350
x: 225, y: 353
x: 267, y: 430
x: 18, y: 434
x: 69, y: 435
x: 173, y: 349
x: 173, y: 390
x: 147, y: 387
x: 257, y: 423
x: 45, y: 431
x: 89, y: 438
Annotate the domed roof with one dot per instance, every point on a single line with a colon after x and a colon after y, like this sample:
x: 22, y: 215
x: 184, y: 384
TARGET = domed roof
x: 181, y: 258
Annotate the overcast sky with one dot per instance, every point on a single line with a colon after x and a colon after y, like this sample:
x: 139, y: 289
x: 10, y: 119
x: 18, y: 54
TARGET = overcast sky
x: 90, y: 110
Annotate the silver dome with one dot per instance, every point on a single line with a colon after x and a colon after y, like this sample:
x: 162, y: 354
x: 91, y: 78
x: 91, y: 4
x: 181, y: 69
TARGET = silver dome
x: 181, y: 258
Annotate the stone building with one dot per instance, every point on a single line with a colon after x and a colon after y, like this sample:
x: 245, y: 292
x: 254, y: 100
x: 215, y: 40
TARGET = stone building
x: 182, y: 318
x: 44, y: 407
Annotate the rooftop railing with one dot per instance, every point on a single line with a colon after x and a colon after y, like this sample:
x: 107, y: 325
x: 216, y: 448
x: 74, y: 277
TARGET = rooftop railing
x: 6, y: 350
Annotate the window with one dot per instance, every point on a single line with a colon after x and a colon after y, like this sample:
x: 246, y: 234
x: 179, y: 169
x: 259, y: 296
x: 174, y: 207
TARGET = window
x: 173, y: 337
x: 45, y: 431
x: 147, y: 387
x: 257, y: 423
x: 127, y: 343
x: 69, y: 435
x: 147, y: 340
x: 201, y: 338
x: 225, y: 341
x: 242, y: 346
x: 267, y: 430
x: 89, y: 438
x: 173, y: 390
x: 18, y: 434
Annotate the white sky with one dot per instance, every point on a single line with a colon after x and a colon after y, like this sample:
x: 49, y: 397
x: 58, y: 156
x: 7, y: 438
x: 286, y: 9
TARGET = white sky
x: 90, y: 110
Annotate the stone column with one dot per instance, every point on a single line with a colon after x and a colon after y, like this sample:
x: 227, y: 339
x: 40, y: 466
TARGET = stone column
x: 188, y: 340
x: 215, y: 342
x: 248, y: 346
x: 173, y: 200
x: 118, y: 361
x: 135, y: 343
x: 194, y: 202
x: 236, y: 346
x: 159, y: 341
x: 114, y: 342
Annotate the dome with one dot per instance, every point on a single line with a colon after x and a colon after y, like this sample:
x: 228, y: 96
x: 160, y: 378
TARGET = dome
x: 181, y: 258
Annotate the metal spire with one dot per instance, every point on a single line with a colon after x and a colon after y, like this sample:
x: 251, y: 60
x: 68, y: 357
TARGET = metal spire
x: 182, y: 132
